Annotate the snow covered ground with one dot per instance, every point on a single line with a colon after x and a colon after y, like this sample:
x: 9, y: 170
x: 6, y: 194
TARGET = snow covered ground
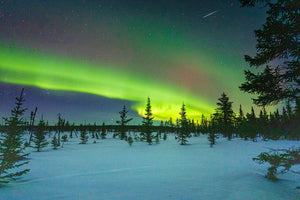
x: 111, y: 169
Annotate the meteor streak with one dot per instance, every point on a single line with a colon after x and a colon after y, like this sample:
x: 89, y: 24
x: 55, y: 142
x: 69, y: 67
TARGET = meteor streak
x: 209, y: 14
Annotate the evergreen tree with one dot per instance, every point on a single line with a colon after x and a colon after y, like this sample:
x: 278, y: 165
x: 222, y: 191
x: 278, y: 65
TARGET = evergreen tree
x: 225, y: 116
x: 285, y: 122
x: 72, y: 128
x: 263, y: 123
x: 64, y: 138
x: 251, y: 125
x: 289, y: 110
x: 184, y: 131
x: 123, y: 122
x: 147, y: 124
x: 39, y: 137
x: 12, y: 154
x: 103, y: 131
x: 161, y: 128
x: 83, y: 135
x: 204, y: 125
x: 171, y: 124
x: 275, y: 126
x: 60, y: 127
x: 54, y: 142
x: 212, y: 131
x: 165, y: 136
x: 157, y: 138
x: 278, y: 40
x: 240, y: 122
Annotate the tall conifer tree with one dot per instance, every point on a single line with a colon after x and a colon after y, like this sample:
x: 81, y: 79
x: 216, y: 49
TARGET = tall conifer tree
x: 122, y: 122
x: 225, y: 116
x: 147, y: 124
x: 277, y: 40
x: 184, y: 131
x: 12, y: 154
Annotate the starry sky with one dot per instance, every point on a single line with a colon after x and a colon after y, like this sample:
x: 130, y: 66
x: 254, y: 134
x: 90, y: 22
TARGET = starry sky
x: 86, y: 59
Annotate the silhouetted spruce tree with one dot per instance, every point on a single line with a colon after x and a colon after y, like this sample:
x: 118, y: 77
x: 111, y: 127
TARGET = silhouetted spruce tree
x: 275, y: 126
x: 60, y: 126
x: 161, y: 129
x: 251, y: 125
x: 12, y: 154
x: 165, y: 136
x: 278, y: 40
x: 72, y: 128
x: 157, y: 138
x: 240, y: 122
x: 123, y: 122
x: 147, y: 124
x: 262, y: 122
x: 225, y: 116
x: 285, y: 123
x: 212, y: 128
x: 64, y: 138
x: 183, y: 132
x: 171, y: 125
x: 103, y: 131
x: 54, y: 142
x: 67, y: 126
x: 204, y: 124
x: 83, y: 135
x: 39, y: 137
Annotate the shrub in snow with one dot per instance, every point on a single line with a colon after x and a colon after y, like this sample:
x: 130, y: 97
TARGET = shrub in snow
x: 64, y: 138
x: 282, y: 158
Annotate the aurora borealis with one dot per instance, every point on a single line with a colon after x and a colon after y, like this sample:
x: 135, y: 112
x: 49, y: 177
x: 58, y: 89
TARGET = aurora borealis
x: 170, y: 51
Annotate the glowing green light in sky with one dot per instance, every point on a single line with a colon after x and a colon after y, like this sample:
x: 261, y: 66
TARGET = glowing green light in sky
x: 27, y: 67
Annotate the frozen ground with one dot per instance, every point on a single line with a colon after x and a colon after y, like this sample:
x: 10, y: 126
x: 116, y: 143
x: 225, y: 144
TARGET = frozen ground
x: 111, y: 169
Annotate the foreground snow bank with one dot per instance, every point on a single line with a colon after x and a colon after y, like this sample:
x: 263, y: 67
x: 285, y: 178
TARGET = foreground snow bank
x: 111, y: 169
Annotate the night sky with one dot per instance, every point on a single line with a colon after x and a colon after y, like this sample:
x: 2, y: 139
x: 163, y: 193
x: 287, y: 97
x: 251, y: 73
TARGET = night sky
x: 85, y: 59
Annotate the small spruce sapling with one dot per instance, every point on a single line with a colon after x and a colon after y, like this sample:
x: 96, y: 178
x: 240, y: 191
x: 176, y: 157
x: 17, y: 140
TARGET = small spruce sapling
x: 83, y: 136
x: 39, y: 136
x: 64, y: 138
x: 103, y: 131
x: 54, y: 142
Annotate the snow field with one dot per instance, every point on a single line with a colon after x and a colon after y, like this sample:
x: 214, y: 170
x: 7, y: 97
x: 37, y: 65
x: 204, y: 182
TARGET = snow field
x: 111, y: 169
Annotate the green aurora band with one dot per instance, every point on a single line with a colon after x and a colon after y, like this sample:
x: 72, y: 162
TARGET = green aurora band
x: 48, y: 71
